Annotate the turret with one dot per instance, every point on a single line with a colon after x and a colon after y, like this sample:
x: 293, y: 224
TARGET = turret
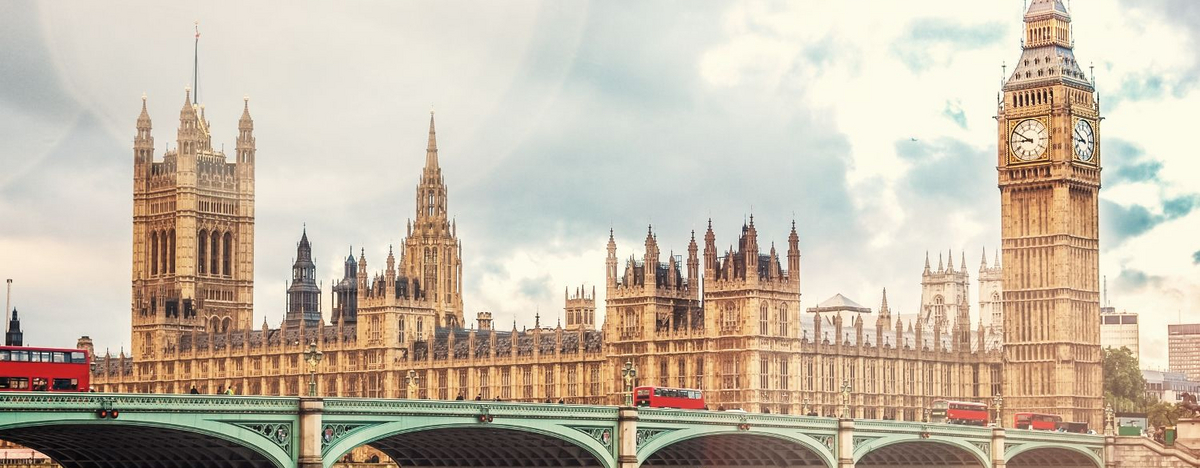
x: 693, y: 263
x: 710, y: 252
x: 794, y: 256
x: 610, y: 263
x: 143, y: 145
x: 650, y: 262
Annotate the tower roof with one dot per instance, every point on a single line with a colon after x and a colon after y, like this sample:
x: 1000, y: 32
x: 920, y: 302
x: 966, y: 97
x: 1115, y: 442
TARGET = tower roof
x: 1040, y: 7
x: 431, y: 158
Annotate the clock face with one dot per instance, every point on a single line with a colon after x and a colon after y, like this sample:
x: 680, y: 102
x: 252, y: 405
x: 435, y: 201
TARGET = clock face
x: 1029, y: 140
x: 1083, y: 139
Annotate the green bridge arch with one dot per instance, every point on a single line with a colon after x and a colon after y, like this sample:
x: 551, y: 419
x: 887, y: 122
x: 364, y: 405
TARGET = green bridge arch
x: 1028, y: 448
x: 798, y: 438
x: 263, y: 434
x: 874, y: 446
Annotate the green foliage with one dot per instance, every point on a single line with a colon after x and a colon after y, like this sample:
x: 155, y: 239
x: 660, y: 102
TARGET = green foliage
x: 1124, y: 385
x: 1162, y: 413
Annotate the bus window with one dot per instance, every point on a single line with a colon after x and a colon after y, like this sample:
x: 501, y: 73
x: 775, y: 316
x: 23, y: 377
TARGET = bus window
x: 4, y: 355
x: 39, y: 384
x: 14, y: 383
x: 66, y: 384
x: 20, y: 356
x: 59, y: 356
x: 78, y: 357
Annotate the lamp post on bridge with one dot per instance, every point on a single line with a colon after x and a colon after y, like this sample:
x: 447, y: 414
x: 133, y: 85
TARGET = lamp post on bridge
x: 998, y: 403
x: 411, y: 381
x: 1110, y: 427
x: 846, y: 399
x: 629, y: 372
x: 313, y: 357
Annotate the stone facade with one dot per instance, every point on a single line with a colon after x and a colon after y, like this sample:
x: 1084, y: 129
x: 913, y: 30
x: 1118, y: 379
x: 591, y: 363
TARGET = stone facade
x: 729, y: 323
x: 745, y: 341
x: 1049, y: 177
x: 193, y: 233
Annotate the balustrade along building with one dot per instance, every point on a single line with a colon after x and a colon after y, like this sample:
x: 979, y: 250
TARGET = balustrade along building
x: 730, y: 323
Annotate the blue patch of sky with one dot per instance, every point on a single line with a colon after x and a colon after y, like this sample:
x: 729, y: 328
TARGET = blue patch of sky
x: 1196, y: 257
x: 954, y: 112
x: 914, y: 45
x: 1129, y: 163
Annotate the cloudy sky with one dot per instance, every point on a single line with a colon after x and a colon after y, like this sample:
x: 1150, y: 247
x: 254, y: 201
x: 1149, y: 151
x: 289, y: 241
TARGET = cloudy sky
x: 868, y: 123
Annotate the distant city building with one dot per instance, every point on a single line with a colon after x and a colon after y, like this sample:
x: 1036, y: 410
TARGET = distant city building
x: 1183, y: 349
x: 1169, y: 386
x: 14, y: 337
x: 1119, y: 329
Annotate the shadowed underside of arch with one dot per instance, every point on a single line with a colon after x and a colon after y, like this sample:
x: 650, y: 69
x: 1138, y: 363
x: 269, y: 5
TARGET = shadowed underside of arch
x: 918, y: 454
x: 127, y: 446
x: 741, y: 450
x: 485, y: 447
x: 1051, y: 458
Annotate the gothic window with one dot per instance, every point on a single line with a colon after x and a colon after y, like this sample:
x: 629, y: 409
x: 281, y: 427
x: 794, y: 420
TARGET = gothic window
x: 162, y: 252
x: 401, y: 330
x: 763, y: 320
x: 681, y: 377
x: 572, y: 380
x: 420, y: 328
x: 171, y: 252
x: 484, y: 384
x: 216, y: 252
x: 783, y: 320
x: 527, y: 383
x: 764, y: 373
x: 700, y: 373
x: 548, y: 380
x: 154, y: 253
x: 505, y: 383
x: 784, y: 381
x: 663, y: 373
x: 226, y: 249
x: 202, y: 251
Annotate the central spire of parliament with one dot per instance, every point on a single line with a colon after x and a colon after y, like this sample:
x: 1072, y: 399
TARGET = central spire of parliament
x: 431, y: 249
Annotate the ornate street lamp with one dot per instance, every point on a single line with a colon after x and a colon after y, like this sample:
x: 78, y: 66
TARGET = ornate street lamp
x: 806, y: 409
x: 629, y: 372
x: 846, y: 398
x: 1109, y: 419
x: 313, y: 357
x: 411, y: 380
x: 998, y: 403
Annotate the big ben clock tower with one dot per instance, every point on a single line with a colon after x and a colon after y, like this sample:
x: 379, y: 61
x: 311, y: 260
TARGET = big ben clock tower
x: 1049, y: 178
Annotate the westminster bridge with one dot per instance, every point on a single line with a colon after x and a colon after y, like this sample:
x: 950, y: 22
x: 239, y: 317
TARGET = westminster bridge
x: 139, y: 430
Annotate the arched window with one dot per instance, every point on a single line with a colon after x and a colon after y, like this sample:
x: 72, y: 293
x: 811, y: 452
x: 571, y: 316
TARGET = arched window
x: 162, y: 252
x: 202, y: 251
x: 763, y: 320
x: 226, y: 324
x: 227, y: 249
x: 171, y: 252
x: 154, y: 253
x: 216, y: 252
x: 783, y: 320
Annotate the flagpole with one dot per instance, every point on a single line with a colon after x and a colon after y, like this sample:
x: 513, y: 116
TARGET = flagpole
x: 196, y: 66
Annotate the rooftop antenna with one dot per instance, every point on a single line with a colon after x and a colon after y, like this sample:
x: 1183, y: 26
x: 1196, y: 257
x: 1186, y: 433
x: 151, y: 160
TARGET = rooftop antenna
x: 196, y: 66
x: 7, y: 305
x: 1106, y: 303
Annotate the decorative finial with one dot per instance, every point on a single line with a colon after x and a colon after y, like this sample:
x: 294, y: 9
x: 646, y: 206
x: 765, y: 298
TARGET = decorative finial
x: 431, y: 109
x: 143, y: 96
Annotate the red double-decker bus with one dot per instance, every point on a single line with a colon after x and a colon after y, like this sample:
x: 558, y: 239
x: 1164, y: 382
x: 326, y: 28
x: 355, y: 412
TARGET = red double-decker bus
x: 24, y: 369
x: 663, y: 397
x: 959, y: 412
x: 1036, y: 421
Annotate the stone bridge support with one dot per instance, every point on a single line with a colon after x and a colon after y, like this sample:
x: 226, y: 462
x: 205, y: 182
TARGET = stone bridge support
x: 998, y: 460
x: 845, y: 443
x: 627, y: 418
x: 311, y: 410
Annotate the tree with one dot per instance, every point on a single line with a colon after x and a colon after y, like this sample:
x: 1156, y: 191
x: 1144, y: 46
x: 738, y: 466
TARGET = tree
x: 1162, y: 413
x: 1124, y: 385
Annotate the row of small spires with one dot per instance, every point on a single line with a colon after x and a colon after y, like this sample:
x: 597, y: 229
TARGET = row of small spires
x: 963, y: 263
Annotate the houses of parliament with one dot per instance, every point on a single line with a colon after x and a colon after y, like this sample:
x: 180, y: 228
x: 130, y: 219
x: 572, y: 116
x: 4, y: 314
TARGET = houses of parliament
x: 728, y: 322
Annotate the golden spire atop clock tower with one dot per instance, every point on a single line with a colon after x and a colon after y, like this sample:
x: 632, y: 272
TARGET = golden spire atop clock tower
x: 1049, y: 179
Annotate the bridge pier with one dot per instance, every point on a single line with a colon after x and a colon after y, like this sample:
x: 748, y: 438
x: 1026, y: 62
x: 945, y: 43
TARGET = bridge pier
x: 1110, y: 451
x: 997, y: 454
x: 311, y: 410
x: 845, y: 443
x: 627, y: 418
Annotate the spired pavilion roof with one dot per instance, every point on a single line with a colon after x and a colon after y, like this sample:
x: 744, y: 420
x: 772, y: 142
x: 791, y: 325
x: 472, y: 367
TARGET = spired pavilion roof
x: 839, y: 303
